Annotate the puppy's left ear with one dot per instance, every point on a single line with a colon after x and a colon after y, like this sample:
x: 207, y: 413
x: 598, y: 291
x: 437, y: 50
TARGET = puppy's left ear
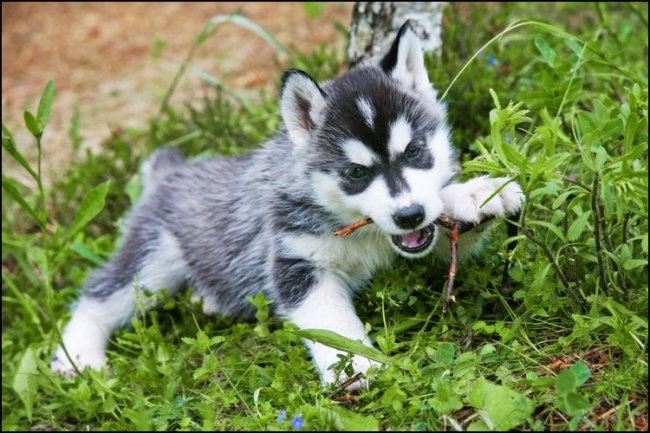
x: 405, y: 60
x: 301, y: 103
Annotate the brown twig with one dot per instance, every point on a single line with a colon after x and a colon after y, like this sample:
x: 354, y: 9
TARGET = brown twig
x: 455, y: 228
x: 599, y: 253
x: 513, y: 230
x: 352, y: 227
x: 345, y: 384
x: 442, y: 220
x: 551, y: 259
x: 453, y: 235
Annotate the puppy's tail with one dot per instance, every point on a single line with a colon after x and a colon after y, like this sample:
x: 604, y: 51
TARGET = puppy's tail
x: 157, y: 167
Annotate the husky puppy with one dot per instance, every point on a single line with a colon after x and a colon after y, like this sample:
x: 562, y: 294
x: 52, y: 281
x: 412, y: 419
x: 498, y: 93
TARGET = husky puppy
x: 372, y: 143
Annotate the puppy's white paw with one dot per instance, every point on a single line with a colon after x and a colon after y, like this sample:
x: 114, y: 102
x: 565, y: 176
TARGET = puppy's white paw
x: 360, y: 365
x: 208, y: 304
x: 93, y: 359
x: 463, y: 200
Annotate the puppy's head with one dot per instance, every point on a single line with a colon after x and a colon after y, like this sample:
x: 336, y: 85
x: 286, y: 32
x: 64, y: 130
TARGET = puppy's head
x: 375, y: 143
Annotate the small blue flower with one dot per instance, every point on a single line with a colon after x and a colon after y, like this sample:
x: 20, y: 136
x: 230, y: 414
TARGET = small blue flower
x: 491, y: 60
x: 297, y: 422
x: 282, y: 416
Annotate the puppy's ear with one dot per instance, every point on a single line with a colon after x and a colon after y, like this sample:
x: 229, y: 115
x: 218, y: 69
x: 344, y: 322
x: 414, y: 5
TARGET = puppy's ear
x: 301, y: 104
x: 405, y: 61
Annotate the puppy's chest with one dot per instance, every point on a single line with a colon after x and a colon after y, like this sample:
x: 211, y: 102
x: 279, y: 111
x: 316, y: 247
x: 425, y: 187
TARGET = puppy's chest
x: 354, y: 258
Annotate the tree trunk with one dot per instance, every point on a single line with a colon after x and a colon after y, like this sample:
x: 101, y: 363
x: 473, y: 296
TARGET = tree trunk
x: 375, y: 24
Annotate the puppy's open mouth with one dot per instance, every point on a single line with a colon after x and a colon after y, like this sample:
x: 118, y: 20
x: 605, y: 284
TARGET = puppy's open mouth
x: 416, y: 241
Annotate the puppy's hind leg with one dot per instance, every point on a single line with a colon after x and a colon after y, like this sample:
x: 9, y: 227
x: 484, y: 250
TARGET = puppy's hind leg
x: 147, y: 261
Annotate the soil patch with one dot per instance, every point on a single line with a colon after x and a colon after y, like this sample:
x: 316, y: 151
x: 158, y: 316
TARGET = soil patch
x: 116, y: 60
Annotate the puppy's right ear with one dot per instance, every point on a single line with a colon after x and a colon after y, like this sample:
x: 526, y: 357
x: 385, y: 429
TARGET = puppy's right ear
x: 301, y: 104
x: 405, y: 61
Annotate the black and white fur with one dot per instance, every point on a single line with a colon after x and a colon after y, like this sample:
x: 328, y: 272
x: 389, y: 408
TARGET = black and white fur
x: 372, y: 143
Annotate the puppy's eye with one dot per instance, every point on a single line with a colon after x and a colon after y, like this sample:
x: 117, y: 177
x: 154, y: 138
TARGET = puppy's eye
x: 412, y: 151
x: 357, y: 172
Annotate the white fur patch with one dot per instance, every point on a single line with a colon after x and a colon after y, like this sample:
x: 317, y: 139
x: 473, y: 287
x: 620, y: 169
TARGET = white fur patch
x: 85, y: 339
x: 93, y: 321
x: 400, y: 136
x: 329, y: 195
x: 301, y: 106
x: 409, y: 69
x: 166, y: 268
x: 354, y: 259
x: 377, y: 203
x: 367, y: 111
x: 359, y: 153
x: 466, y: 201
x: 329, y: 306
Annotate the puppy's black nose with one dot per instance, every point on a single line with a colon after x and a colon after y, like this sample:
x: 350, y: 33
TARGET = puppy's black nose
x: 409, y: 217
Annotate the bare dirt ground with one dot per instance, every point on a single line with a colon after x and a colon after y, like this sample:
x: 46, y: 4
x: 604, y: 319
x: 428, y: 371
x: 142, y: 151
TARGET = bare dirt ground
x: 116, y: 60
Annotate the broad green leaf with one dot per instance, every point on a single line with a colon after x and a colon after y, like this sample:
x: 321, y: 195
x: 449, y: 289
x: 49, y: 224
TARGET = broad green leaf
x: 394, y: 397
x: 565, y: 381
x: 45, y: 105
x: 386, y: 344
x: 445, y: 354
x: 25, y: 380
x: 548, y: 53
x: 488, y: 349
x: 89, y: 208
x: 351, y: 421
x: 32, y: 125
x: 634, y: 263
x: 357, y: 422
x: 514, y: 156
x: 337, y: 341
x: 581, y: 373
x: 445, y: 400
x: 573, y: 403
x: 81, y: 393
x: 578, y: 226
x: 504, y: 407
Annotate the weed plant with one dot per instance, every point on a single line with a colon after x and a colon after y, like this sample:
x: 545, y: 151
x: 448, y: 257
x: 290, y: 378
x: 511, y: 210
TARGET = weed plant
x: 554, y: 96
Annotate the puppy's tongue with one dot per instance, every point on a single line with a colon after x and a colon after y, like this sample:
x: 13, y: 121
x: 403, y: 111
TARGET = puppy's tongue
x: 414, y: 239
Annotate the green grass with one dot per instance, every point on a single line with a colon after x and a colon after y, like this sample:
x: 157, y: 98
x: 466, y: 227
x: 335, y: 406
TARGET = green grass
x: 558, y: 102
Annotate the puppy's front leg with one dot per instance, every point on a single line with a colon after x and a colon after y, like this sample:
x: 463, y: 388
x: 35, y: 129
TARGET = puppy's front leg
x: 328, y: 305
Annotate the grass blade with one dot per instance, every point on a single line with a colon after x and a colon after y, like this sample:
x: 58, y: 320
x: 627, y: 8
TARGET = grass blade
x: 24, y: 381
x: 9, y: 144
x: 244, y: 22
x: 10, y: 187
x: 337, y: 341
x: 45, y: 105
x: 32, y: 125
